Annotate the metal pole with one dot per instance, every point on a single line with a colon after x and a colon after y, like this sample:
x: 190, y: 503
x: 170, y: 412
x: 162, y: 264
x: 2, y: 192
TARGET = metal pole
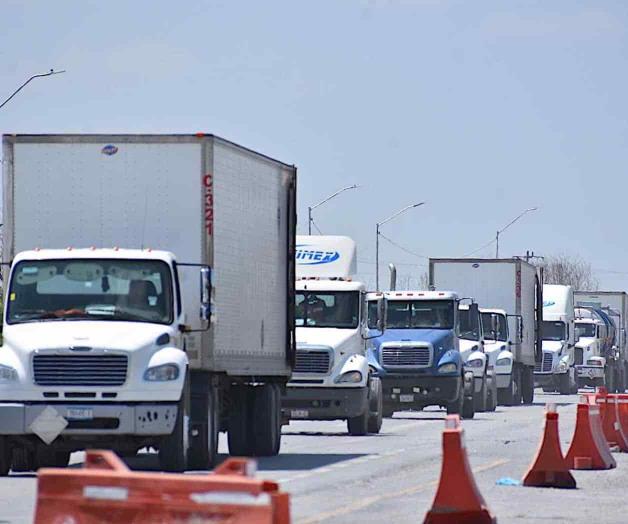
x: 309, y: 220
x: 49, y: 73
x: 497, y: 245
x: 377, y: 257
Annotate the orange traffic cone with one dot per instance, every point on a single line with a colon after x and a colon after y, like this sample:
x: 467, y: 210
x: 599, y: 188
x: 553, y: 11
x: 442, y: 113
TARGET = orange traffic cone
x: 549, y: 469
x: 457, y: 500
x: 622, y: 409
x: 588, y: 449
x: 610, y: 422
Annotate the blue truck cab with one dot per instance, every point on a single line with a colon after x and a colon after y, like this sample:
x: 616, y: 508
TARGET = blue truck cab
x: 418, y: 357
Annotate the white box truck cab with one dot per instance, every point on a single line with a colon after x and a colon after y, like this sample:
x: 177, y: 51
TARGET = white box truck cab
x: 498, y: 339
x: 613, y: 304
x: 331, y: 378
x: 556, y: 371
x: 472, y: 350
x: 113, y: 348
x: 591, y: 337
x: 513, y: 288
x: 418, y: 357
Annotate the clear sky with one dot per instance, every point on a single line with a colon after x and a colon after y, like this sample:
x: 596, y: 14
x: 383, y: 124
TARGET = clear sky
x: 480, y: 108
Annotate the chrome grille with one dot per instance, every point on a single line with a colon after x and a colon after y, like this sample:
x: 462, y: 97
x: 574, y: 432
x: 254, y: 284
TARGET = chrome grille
x: 80, y: 370
x: 406, y: 356
x: 312, y: 361
x: 546, y: 365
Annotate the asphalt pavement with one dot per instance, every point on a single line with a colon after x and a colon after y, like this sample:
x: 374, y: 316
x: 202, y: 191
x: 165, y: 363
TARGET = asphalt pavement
x: 392, y: 477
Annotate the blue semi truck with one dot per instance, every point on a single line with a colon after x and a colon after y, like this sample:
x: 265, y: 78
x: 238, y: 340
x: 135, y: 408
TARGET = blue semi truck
x: 418, y: 357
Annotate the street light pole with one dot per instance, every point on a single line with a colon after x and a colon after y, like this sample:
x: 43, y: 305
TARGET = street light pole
x: 41, y: 75
x: 377, y: 226
x: 499, y: 231
x: 310, y: 220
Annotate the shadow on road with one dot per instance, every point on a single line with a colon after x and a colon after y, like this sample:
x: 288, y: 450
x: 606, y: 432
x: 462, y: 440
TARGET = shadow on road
x: 303, y: 461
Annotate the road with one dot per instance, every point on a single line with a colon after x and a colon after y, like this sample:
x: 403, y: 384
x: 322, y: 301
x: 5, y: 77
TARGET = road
x: 392, y: 477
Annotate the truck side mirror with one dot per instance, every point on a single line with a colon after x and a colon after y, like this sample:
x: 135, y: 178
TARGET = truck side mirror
x: 206, y: 293
x: 474, y: 310
x: 382, y: 312
x: 494, y: 325
x: 520, y: 331
x: 377, y: 314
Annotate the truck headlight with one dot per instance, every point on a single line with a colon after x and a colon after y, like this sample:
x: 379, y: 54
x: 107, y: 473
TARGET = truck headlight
x: 562, y: 366
x: 594, y: 363
x: 162, y: 373
x: 7, y: 373
x: 448, y: 368
x: 353, y: 377
x: 475, y: 363
x: 503, y: 361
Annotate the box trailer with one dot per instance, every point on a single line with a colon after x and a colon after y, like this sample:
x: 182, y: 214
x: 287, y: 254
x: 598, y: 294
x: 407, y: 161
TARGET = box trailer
x: 110, y: 233
x: 513, y: 286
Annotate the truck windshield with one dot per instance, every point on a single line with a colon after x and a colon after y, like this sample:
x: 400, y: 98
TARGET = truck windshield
x: 502, y: 330
x: 330, y: 309
x: 553, y: 330
x: 90, y: 289
x: 584, y: 330
x: 420, y: 314
x: 469, y: 325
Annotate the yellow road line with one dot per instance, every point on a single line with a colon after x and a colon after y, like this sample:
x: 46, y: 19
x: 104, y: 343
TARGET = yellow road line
x: 369, y: 501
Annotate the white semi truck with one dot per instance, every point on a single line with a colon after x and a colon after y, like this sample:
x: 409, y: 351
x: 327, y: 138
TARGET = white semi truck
x: 116, y: 345
x: 514, y: 287
x: 556, y: 371
x: 332, y: 378
x: 615, y: 305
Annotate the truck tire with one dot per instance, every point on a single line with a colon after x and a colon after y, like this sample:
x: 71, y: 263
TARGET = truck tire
x: 511, y: 396
x: 455, y: 407
x: 480, y: 399
x: 239, y: 436
x: 564, y: 384
x: 266, y: 420
x: 492, y: 393
x: 23, y: 459
x: 527, y: 385
x: 47, y: 457
x: 204, y: 417
x: 376, y: 405
x: 358, y: 426
x: 174, y: 448
x: 5, y: 457
x: 468, y: 407
x: 388, y: 412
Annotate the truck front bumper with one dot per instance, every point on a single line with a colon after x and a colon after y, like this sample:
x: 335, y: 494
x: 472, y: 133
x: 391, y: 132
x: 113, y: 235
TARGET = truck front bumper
x: 88, y: 419
x: 546, y: 380
x: 419, y: 391
x: 586, y: 374
x: 324, y: 403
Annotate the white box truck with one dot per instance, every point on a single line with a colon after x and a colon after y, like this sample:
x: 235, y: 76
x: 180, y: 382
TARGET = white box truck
x: 332, y: 378
x: 515, y: 287
x: 615, y: 305
x: 556, y: 370
x: 108, y: 340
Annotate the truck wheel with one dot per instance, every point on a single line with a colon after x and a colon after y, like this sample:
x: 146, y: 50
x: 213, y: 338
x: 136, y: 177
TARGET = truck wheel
x: 239, y: 436
x: 358, y: 426
x: 174, y: 448
x: 388, y: 413
x: 492, y: 393
x: 564, y: 386
x: 205, y: 410
x: 47, y: 457
x: 455, y: 407
x: 599, y: 382
x: 266, y: 420
x: 480, y: 399
x: 527, y: 385
x: 23, y: 459
x: 510, y: 396
x: 376, y: 405
x: 468, y: 408
x: 5, y: 457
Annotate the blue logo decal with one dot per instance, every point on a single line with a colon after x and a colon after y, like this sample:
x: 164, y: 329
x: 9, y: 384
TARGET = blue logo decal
x: 548, y: 303
x: 311, y: 257
x: 109, y: 150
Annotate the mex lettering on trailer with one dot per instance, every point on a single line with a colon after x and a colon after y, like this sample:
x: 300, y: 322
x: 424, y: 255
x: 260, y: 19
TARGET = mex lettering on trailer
x: 313, y: 257
x: 208, y: 203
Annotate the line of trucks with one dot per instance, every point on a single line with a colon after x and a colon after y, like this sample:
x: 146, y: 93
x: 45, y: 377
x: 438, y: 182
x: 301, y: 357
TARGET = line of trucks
x: 156, y: 294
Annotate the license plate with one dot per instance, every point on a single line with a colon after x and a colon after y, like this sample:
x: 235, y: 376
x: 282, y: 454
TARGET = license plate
x: 299, y: 413
x: 79, y: 414
x: 406, y: 398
